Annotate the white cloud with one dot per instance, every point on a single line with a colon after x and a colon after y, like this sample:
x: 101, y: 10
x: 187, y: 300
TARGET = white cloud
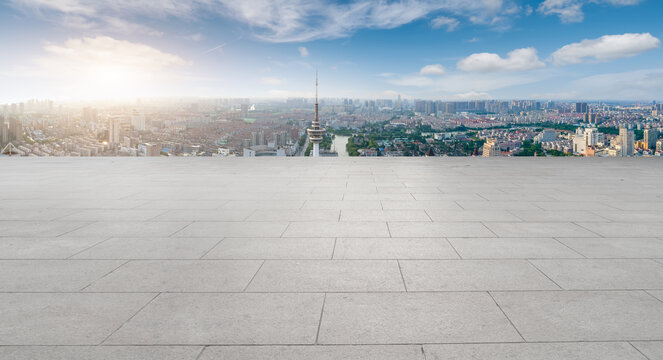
x: 471, y: 95
x: 570, y: 11
x: 303, y: 51
x: 433, y: 69
x: 105, y: 67
x: 517, y: 60
x: 271, y: 81
x: 273, y: 20
x: 605, y: 48
x: 631, y: 85
x: 443, y: 21
x: 413, y: 81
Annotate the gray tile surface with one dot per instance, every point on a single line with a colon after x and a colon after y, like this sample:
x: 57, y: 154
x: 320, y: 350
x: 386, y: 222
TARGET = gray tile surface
x: 273, y: 248
x: 511, y: 248
x: 584, y: 315
x: 535, y: 351
x: 179, y: 276
x: 64, y: 318
x: 397, y: 318
x: 394, y: 248
x: 52, y: 275
x: 366, y: 352
x: 473, y: 275
x: 327, y: 276
x: 100, y: 352
x: 652, y: 349
x: 224, y: 319
x: 179, y: 255
x: 629, y: 247
x: 603, y: 274
x: 150, y: 248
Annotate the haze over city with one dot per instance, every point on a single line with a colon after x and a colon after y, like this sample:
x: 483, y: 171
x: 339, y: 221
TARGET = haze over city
x: 74, y: 50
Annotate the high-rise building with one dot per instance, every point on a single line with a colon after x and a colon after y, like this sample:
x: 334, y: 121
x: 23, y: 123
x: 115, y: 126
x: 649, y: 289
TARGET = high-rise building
x: 113, y: 131
x: 581, y: 108
x: 138, y: 121
x: 592, y: 136
x: 627, y: 140
x: 491, y: 148
x: 579, y: 144
x: 4, y: 132
x: 15, y: 129
x: 651, y: 135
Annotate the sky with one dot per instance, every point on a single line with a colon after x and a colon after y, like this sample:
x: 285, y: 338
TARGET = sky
x: 428, y: 49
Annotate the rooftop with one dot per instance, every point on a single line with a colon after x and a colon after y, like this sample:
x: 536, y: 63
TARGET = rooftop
x: 331, y: 258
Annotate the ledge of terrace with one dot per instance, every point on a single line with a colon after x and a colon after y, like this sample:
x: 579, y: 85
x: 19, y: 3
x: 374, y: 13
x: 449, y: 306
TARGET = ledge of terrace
x: 299, y: 258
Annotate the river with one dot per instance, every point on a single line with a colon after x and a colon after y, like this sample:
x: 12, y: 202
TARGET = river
x: 339, y: 143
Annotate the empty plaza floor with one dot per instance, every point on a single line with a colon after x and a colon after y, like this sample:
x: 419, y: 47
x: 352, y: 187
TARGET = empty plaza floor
x: 331, y: 258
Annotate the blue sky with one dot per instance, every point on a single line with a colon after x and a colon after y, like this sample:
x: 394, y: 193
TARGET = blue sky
x: 435, y: 49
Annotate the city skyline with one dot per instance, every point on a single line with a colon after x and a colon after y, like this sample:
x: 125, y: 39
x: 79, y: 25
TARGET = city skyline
x: 450, y: 50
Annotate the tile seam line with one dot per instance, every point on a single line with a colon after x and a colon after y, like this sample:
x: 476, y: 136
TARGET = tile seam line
x: 638, y: 350
x: 103, y: 276
x: 129, y: 319
x: 253, y: 277
x: 322, y: 312
x: 71, y: 257
x: 506, y: 316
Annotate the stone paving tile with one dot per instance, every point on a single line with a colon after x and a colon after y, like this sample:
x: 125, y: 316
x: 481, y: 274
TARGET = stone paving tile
x: 471, y: 215
x: 100, y: 352
x: 378, y: 196
x: 603, y: 274
x: 44, y: 247
x: 179, y: 276
x: 181, y: 204
x: 393, y: 248
x: 129, y: 229
x: 419, y: 205
x: 52, y: 275
x: 34, y: 214
x: 498, y: 205
x: 233, y: 229
x: 448, y: 196
x: 112, y: 215
x: 224, y: 319
x: 534, y: 351
x: 438, y: 229
x: 632, y: 216
x: 97, y: 204
x: 652, y: 349
x: 273, y: 248
x: 203, y: 215
x: 263, y: 205
x: 64, y: 318
x: 413, y: 318
x: 295, y: 215
x: 511, y: 248
x: 327, y: 352
x: 573, y: 205
x: 384, y: 215
x: 337, y: 229
x: 621, y: 229
x: 327, y: 276
x: 343, y: 205
x: 558, y: 216
x: 150, y: 248
x: 657, y: 294
x: 473, y: 275
x: 583, y: 315
x: 39, y: 228
x: 540, y: 229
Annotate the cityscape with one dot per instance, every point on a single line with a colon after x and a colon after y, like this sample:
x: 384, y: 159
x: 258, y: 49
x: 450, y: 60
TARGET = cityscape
x: 243, y: 127
x: 331, y: 180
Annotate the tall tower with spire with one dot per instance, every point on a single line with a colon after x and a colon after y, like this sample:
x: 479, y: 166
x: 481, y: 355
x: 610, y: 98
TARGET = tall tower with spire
x: 315, y: 132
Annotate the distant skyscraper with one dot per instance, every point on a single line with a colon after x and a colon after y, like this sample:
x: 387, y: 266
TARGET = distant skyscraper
x: 315, y: 132
x: 491, y: 148
x: 113, y: 131
x: 581, y: 108
x: 651, y: 135
x: 627, y: 139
